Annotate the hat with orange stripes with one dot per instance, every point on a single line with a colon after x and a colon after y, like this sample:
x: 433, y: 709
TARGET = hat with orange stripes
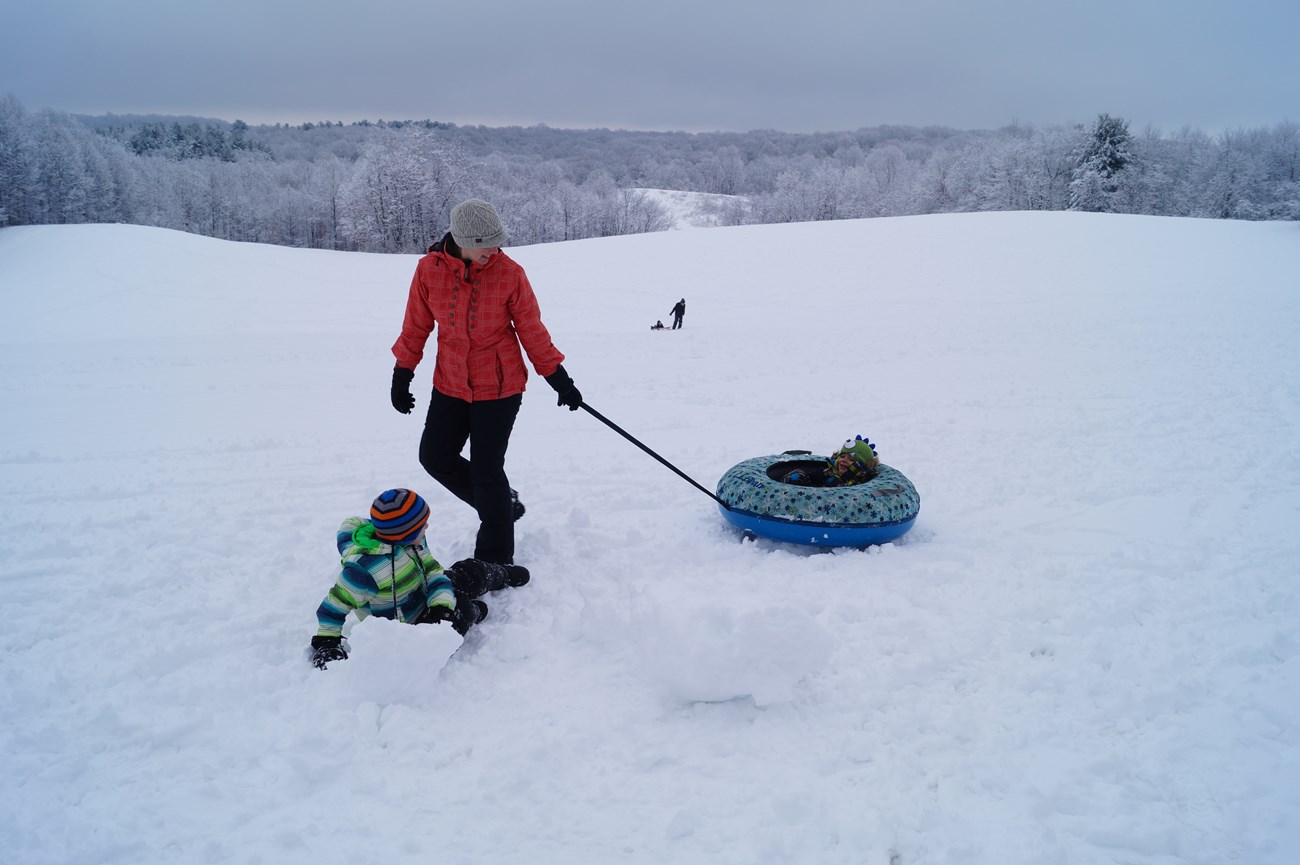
x: 399, y: 516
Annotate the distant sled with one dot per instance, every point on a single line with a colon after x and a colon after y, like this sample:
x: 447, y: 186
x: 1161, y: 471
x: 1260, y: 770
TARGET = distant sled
x: 876, y: 512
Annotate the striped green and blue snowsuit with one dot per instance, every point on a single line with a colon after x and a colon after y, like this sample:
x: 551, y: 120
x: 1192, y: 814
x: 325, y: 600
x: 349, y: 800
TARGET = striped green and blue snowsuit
x: 379, y: 579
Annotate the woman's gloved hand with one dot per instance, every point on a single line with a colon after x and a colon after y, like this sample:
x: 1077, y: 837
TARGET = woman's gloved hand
x: 563, y: 385
x: 401, y: 391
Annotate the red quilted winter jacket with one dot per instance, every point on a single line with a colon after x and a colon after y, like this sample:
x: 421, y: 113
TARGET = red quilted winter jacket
x: 483, y: 313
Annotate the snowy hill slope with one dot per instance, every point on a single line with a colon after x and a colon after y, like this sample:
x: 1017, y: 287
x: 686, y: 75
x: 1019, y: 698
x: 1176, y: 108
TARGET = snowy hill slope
x: 692, y: 209
x: 1086, y: 651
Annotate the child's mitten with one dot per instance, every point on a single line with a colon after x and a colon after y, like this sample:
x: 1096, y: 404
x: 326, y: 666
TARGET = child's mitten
x: 468, y: 614
x: 326, y: 649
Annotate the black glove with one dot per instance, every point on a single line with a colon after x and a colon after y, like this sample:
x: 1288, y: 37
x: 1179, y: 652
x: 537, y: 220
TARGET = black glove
x: 435, y: 614
x: 401, y: 393
x: 326, y: 649
x: 468, y: 614
x: 563, y: 386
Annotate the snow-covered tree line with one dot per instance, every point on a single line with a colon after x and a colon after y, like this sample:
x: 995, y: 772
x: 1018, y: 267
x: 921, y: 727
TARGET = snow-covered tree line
x: 389, y: 190
x: 389, y: 186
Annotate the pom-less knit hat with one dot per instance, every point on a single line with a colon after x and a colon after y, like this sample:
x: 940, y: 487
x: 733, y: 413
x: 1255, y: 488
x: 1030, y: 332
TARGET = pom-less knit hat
x: 399, y: 516
x: 861, y: 448
x: 475, y: 225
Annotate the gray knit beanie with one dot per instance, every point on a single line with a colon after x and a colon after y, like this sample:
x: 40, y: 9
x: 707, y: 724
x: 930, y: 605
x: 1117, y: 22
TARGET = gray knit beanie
x: 475, y: 225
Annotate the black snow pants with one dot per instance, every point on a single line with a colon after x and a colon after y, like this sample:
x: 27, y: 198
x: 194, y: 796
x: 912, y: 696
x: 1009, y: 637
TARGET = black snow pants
x: 479, y: 481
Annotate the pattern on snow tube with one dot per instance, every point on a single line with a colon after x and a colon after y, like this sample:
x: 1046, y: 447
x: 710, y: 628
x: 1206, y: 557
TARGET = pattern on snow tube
x: 888, y: 499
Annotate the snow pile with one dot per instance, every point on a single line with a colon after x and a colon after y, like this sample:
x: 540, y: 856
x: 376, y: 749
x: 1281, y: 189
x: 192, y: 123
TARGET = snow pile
x: 1085, y: 651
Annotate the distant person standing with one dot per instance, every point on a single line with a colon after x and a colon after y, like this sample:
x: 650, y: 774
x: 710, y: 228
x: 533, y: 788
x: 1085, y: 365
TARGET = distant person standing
x: 483, y: 307
x: 679, y: 312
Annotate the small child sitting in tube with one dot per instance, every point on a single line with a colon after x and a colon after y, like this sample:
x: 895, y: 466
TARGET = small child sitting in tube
x: 854, y: 463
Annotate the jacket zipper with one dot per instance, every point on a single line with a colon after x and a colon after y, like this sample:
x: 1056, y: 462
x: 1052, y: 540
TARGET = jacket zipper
x: 392, y: 565
x: 424, y: 581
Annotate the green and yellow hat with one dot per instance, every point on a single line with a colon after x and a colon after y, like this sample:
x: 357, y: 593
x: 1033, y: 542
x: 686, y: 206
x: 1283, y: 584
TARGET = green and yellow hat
x: 862, y: 449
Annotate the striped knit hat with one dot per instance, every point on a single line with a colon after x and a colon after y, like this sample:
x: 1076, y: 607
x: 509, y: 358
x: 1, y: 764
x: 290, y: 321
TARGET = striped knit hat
x: 399, y: 516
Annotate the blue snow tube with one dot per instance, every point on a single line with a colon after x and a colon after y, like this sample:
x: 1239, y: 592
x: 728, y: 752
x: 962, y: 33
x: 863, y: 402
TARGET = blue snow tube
x: 875, y: 512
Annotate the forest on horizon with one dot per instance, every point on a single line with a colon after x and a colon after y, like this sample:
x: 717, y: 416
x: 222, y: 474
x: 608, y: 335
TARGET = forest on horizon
x: 388, y: 186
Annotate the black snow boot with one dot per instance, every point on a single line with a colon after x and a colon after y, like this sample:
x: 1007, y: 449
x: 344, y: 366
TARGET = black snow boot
x: 468, y: 614
x: 474, y: 577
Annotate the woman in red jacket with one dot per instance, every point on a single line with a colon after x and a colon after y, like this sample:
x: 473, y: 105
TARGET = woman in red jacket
x: 484, y: 310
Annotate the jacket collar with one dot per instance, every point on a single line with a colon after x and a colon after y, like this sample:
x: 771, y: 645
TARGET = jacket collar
x: 448, y: 248
x: 364, y: 538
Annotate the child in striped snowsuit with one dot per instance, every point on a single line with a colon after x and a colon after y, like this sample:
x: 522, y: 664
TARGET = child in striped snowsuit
x: 388, y: 571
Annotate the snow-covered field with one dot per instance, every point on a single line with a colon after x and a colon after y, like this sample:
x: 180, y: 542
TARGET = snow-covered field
x: 1086, y: 651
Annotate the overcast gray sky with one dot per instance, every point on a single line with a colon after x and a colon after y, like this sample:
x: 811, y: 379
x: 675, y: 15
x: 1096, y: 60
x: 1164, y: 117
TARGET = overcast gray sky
x: 695, y: 65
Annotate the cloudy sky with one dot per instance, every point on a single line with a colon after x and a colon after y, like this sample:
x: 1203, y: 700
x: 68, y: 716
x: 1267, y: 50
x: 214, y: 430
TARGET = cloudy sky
x: 672, y: 64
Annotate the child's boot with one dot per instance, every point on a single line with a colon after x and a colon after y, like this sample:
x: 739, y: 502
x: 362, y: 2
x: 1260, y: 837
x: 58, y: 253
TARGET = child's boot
x: 497, y: 577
